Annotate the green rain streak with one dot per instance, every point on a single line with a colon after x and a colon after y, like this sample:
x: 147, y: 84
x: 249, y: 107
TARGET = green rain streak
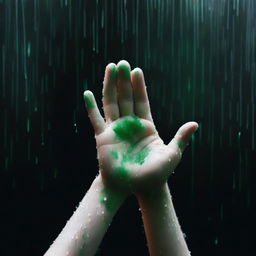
x: 197, y: 56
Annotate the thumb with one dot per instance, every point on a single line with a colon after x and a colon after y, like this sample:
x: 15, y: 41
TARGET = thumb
x: 182, y: 137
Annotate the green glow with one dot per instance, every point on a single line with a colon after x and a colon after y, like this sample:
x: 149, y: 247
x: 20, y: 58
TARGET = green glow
x: 29, y: 50
x: 128, y: 127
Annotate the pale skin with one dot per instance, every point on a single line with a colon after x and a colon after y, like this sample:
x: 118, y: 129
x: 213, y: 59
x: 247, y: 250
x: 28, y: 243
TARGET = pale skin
x: 132, y: 159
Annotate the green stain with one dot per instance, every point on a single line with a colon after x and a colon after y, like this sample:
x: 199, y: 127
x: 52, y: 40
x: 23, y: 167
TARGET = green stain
x: 113, y: 73
x: 138, y: 157
x: 82, y: 249
x: 114, y: 154
x: 125, y: 130
x: 181, y: 144
x: 88, y: 98
x: 137, y: 73
x: 128, y: 127
x: 110, y: 199
x: 125, y: 70
x: 122, y: 172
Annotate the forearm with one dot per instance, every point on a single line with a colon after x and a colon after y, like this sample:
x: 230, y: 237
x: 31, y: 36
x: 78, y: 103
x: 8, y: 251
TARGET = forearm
x: 163, y: 232
x: 86, y: 228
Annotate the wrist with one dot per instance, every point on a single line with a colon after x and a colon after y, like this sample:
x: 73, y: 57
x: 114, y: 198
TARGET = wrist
x: 153, y: 194
x: 110, y: 195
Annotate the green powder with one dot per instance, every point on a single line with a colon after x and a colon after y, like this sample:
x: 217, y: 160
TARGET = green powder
x: 128, y: 127
x: 122, y: 172
x: 114, y: 154
x: 125, y: 130
x: 138, y: 158
x: 125, y: 70
x: 137, y: 73
x: 113, y: 73
x: 110, y: 199
x: 88, y: 98
x: 181, y: 144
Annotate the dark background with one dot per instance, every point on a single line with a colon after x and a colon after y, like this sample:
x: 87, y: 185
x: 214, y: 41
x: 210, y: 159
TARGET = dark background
x: 199, y: 62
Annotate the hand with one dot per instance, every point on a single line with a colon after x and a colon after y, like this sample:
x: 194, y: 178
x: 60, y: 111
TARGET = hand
x: 132, y: 157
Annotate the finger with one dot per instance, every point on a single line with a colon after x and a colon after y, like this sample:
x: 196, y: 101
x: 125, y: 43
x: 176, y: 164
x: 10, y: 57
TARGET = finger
x: 140, y: 96
x: 96, y: 119
x: 110, y: 105
x: 124, y: 88
x: 182, y: 137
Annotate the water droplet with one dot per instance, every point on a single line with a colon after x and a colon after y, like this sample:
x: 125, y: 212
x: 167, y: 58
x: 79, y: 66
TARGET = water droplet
x: 139, y: 209
x: 102, y: 212
x: 105, y: 199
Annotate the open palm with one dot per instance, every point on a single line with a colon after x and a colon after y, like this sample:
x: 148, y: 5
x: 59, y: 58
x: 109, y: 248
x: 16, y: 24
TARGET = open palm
x: 131, y: 154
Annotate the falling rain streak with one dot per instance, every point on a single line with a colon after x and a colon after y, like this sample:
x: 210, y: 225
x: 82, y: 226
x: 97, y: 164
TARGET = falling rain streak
x: 199, y: 60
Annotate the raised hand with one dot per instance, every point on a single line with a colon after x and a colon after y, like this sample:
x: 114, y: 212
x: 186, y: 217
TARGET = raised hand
x: 132, y: 157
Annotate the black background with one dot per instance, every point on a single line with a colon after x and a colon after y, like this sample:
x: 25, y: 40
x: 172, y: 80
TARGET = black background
x: 195, y: 69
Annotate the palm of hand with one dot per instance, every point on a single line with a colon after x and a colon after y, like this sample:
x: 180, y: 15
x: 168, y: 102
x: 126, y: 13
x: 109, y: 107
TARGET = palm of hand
x: 131, y: 154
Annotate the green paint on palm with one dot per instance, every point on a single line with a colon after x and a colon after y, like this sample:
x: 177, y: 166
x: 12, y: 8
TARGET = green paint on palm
x: 128, y: 127
x: 125, y: 130
x: 138, y: 158
x: 114, y: 154
x: 122, y: 172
